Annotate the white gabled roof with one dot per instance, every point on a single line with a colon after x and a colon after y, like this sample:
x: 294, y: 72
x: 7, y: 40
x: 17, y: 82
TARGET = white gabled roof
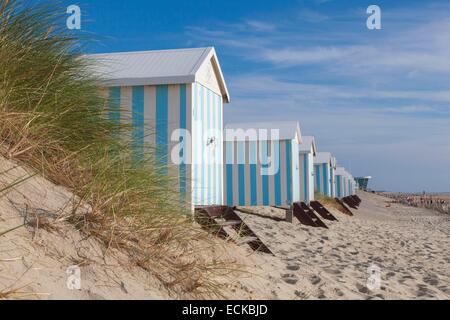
x: 287, y: 130
x: 157, y: 67
x: 340, y: 171
x: 308, y: 142
x: 322, y: 157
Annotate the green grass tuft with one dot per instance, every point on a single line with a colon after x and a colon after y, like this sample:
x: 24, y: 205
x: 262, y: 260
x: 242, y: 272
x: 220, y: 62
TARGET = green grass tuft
x: 53, y: 119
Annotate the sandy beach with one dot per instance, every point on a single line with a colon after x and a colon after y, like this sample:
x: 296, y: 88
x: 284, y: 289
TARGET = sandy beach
x: 410, y: 246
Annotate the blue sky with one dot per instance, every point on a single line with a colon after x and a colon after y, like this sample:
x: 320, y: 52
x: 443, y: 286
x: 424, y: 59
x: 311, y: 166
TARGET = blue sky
x: 377, y: 99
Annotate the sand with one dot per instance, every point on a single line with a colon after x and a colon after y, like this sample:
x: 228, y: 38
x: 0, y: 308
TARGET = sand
x: 410, y: 246
x: 34, y: 261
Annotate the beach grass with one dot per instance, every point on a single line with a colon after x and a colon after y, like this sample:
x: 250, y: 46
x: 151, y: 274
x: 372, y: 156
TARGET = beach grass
x: 53, y: 120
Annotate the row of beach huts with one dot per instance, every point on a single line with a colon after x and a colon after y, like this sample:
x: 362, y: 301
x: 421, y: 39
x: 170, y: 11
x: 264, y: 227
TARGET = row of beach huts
x: 181, y: 95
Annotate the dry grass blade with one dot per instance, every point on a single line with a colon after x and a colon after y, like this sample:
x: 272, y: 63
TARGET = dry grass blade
x: 15, y: 183
x: 19, y: 294
x: 2, y: 233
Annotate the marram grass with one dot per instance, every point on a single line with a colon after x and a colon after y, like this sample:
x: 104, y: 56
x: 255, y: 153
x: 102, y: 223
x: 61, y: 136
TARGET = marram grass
x: 52, y: 119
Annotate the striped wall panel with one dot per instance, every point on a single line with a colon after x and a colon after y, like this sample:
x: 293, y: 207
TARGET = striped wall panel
x: 340, y: 186
x: 345, y: 182
x: 295, y: 172
x: 303, y: 162
x: 156, y: 113
x: 332, y: 182
x: 207, y: 137
x: 322, y: 179
x: 306, y: 177
x: 247, y: 178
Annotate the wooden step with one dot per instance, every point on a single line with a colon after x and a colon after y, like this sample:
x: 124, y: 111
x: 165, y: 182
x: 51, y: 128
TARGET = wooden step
x: 312, y: 215
x: 350, y: 202
x: 345, y: 209
x: 230, y: 225
x: 225, y: 223
x: 306, y: 216
x: 322, y: 211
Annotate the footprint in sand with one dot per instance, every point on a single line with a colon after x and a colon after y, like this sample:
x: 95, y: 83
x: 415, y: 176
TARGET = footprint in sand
x: 431, y: 279
x: 301, y: 295
x: 361, y: 288
x: 289, y: 278
x: 321, y: 294
x: 444, y: 289
x: 332, y: 271
x: 293, y: 267
x: 315, y: 279
x: 424, y: 291
x: 339, y: 292
x: 390, y: 275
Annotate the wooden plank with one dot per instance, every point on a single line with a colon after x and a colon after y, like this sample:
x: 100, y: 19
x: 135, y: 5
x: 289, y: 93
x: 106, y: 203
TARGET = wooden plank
x: 322, y: 211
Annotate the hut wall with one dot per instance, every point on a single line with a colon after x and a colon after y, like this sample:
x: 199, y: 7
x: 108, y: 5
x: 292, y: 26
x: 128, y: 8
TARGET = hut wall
x: 306, y: 161
x: 248, y: 180
x: 322, y: 179
x: 155, y: 113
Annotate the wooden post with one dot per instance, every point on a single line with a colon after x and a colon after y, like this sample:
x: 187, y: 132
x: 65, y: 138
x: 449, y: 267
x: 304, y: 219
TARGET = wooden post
x: 289, y: 214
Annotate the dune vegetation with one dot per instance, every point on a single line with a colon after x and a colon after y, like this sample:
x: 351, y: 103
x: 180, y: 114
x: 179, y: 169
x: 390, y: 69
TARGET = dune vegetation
x: 53, y: 120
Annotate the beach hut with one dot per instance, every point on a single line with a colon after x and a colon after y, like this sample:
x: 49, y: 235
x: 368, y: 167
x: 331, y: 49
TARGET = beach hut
x: 307, y: 151
x: 363, y: 182
x: 179, y: 94
x: 322, y: 173
x: 352, y: 185
x: 262, y: 163
x: 341, y: 181
x: 349, y: 184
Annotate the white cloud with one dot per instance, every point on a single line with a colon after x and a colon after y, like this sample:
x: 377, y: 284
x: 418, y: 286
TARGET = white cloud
x: 311, y: 15
x: 261, y: 26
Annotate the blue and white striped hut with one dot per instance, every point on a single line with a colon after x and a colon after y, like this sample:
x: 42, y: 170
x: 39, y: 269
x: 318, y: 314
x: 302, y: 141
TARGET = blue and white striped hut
x: 307, y: 151
x: 345, y: 183
x: 341, y: 182
x: 262, y: 163
x: 322, y: 172
x: 348, y: 184
x: 169, y: 90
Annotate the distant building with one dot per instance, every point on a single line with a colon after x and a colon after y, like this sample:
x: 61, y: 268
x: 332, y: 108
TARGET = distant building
x: 363, y: 182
